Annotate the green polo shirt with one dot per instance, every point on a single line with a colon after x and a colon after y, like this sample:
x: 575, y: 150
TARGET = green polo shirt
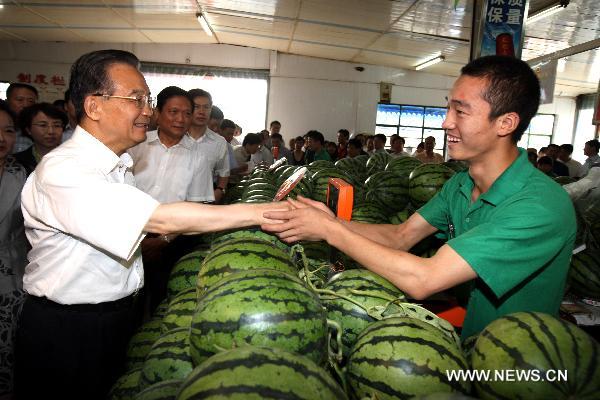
x: 322, y: 155
x: 518, y: 237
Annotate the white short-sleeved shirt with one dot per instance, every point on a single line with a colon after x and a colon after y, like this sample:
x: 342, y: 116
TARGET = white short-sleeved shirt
x: 170, y: 174
x: 214, y: 148
x: 84, y: 219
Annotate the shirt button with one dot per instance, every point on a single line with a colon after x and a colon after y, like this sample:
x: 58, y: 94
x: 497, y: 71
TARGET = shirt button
x: 467, y: 219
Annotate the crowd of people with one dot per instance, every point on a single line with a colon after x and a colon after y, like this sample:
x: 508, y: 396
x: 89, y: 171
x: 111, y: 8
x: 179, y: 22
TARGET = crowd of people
x: 79, y: 205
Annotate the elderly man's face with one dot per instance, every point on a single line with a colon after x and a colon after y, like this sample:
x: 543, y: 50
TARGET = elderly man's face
x: 21, y: 98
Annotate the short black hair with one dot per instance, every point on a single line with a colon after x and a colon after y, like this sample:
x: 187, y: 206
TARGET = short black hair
x: 381, y: 137
x: 216, y: 113
x: 89, y: 75
x: 67, y: 95
x: 316, y: 135
x: 547, y: 160
x: 277, y: 136
x: 594, y: 143
x: 4, y: 107
x: 227, y: 123
x: 252, y: 138
x: 274, y: 122
x: 567, y: 147
x: 28, y: 113
x: 170, y: 92
x: 18, y: 85
x: 512, y: 86
x: 344, y: 133
x: 301, y: 138
x: 356, y: 143
x: 199, y: 93
x: 553, y: 145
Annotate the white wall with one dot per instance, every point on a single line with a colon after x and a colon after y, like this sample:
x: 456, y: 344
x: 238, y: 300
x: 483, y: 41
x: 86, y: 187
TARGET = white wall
x: 305, y: 93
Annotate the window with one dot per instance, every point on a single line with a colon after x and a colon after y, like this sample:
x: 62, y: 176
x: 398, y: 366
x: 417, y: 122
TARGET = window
x: 240, y: 94
x: 539, y: 132
x: 413, y: 123
x: 3, y: 87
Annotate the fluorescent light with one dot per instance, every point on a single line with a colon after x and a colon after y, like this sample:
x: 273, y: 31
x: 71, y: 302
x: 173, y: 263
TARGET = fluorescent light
x: 429, y: 63
x: 204, y: 24
x: 546, y: 12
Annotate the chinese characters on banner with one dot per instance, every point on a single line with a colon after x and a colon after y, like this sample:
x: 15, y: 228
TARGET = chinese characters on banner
x: 49, y: 86
x: 502, y: 32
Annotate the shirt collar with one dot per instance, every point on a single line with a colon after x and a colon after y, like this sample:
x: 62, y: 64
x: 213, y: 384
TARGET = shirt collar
x: 103, y: 158
x: 511, y: 181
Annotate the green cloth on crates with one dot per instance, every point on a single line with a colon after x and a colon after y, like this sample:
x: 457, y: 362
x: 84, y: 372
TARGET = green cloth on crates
x: 518, y: 237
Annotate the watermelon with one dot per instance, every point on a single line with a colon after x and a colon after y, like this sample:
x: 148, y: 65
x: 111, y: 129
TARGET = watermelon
x: 402, y: 357
x: 247, y: 233
x: 183, y: 275
x: 342, y: 293
x: 584, y: 274
x: 530, y: 341
x: 425, y: 181
x: 369, y: 213
x: 320, y: 182
x: 378, y: 161
x: 168, y: 359
x: 320, y: 164
x: 261, y: 307
x: 257, y: 373
x: 181, y: 308
x: 388, y: 190
x: 141, y: 343
x: 127, y: 386
x: 242, y: 254
x: 402, y: 166
x: 164, y: 390
x: 401, y: 216
x: 362, y: 159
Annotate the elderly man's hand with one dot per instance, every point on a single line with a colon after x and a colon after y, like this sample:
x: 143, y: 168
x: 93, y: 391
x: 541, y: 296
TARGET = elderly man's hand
x: 309, y: 220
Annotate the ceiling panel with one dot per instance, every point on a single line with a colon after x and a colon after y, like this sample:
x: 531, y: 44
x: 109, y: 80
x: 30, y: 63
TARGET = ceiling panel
x: 42, y: 35
x: 241, y: 38
x: 437, y: 18
x: 82, y: 17
x: 149, y: 20
x: 112, y: 35
x: 11, y: 15
x: 327, y: 34
x: 372, y: 15
x: 178, y: 36
x: 315, y: 50
x: 272, y: 27
x: 279, y: 8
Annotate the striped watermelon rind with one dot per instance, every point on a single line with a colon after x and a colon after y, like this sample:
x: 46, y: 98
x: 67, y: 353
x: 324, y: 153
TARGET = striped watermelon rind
x: 584, y: 274
x: 180, y: 311
x: 402, y: 357
x: 127, y: 386
x: 529, y: 341
x: 261, y: 307
x: 252, y: 372
x: 426, y: 180
x: 183, y: 275
x: 164, y: 390
x: 141, y: 343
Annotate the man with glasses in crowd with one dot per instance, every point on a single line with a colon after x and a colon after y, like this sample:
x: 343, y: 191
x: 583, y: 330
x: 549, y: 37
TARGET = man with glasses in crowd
x: 85, y: 220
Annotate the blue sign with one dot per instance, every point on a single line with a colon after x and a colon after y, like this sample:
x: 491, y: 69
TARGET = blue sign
x: 503, y: 28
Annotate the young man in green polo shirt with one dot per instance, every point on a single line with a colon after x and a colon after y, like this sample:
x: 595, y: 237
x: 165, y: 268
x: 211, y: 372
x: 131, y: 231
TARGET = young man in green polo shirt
x: 510, y: 228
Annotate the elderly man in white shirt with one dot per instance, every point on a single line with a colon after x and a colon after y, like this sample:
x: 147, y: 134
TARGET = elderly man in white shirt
x: 85, y: 221
x: 211, y: 145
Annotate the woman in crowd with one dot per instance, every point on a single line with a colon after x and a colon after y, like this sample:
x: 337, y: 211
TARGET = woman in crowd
x: 298, y: 152
x: 13, y: 245
x: 44, y: 124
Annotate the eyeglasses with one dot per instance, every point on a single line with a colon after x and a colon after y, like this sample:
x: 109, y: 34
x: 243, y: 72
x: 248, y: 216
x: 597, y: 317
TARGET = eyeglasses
x: 140, y: 101
x: 205, y: 107
x: 45, y: 126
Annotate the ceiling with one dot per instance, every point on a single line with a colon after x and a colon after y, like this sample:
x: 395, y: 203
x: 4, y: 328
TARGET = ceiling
x: 395, y: 33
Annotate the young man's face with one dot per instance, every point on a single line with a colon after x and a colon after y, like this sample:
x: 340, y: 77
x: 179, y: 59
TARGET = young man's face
x: 470, y: 133
x: 589, y: 151
x: 175, y: 117
x: 227, y: 133
x: 201, y: 114
x: 353, y: 151
x: 275, y: 128
x: 312, y: 144
x: 342, y: 139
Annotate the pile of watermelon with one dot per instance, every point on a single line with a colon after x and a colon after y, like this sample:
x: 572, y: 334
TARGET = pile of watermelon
x: 251, y: 317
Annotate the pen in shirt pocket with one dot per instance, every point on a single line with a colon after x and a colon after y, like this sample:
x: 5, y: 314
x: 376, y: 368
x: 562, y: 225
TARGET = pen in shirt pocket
x: 451, y: 232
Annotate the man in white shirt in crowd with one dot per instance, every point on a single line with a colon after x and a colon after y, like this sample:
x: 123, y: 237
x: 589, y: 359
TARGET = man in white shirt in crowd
x: 397, y: 143
x: 379, y: 141
x: 169, y: 168
x: 211, y: 145
x: 215, y: 119
x: 564, y: 155
x: 18, y: 97
x: 263, y: 155
x: 591, y: 151
x: 429, y: 156
x: 227, y: 130
x: 85, y: 219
